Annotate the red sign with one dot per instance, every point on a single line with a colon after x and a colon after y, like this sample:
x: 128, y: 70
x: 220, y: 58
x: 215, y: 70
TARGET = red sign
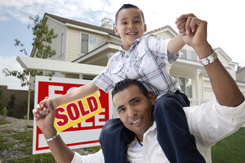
x: 84, y: 134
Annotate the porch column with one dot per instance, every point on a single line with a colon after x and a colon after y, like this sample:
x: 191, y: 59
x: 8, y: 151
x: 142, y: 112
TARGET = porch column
x: 109, y: 55
x: 80, y: 76
x: 168, y: 67
x: 197, y: 73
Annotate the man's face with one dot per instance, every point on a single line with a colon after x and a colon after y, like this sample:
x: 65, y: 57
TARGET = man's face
x: 135, y: 110
x: 130, y: 26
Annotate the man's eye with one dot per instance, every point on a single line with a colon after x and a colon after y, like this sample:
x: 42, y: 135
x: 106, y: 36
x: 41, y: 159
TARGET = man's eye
x: 121, y: 110
x: 136, y: 101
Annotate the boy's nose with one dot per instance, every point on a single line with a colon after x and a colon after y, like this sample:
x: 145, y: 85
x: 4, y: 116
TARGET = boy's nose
x: 131, y: 26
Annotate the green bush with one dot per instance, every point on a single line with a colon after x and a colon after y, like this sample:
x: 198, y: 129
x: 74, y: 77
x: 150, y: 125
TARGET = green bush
x: 11, y: 105
x: 5, y: 113
x: 1, y: 98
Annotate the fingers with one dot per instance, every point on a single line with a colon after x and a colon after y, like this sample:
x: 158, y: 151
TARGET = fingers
x: 186, y: 23
x: 181, y: 26
x: 41, y: 109
x: 185, y: 16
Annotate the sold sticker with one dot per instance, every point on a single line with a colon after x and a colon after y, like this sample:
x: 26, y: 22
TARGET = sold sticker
x: 70, y: 114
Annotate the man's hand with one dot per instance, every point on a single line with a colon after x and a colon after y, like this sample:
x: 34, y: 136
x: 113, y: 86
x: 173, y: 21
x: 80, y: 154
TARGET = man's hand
x: 195, y: 34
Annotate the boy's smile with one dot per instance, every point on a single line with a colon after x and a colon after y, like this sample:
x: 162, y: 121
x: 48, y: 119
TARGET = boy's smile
x: 130, y: 26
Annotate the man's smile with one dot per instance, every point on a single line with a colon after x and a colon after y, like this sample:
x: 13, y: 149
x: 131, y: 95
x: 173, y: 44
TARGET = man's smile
x: 137, y: 121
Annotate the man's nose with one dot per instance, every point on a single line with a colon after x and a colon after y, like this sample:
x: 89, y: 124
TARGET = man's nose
x: 131, y: 112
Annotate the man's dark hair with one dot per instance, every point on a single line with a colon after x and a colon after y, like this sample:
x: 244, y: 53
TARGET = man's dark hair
x: 120, y: 86
x: 129, y: 6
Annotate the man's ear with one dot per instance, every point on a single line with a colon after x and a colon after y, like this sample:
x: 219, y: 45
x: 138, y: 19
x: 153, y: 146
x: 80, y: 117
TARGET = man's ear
x: 116, y: 31
x: 152, y: 98
x: 145, y: 27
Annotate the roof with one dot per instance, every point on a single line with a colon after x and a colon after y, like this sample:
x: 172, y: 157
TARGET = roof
x: 65, y: 20
x: 108, y: 42
x: 218, y: 48
x: 111, y: 32
x: 240, y: 69
x: 163, y: 28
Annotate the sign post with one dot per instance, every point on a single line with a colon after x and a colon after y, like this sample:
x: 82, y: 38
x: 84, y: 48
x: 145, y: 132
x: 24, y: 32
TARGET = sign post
x: 77, y: 122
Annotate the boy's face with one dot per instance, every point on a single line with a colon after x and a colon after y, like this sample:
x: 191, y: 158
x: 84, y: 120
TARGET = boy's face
x: 130, y: 26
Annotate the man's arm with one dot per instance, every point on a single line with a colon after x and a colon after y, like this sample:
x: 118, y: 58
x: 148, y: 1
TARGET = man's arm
x: 224, y: 87
x: 60, y: 151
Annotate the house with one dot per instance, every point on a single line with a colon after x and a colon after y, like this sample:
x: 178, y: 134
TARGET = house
x: 78, y: 42
x: 240, y: 74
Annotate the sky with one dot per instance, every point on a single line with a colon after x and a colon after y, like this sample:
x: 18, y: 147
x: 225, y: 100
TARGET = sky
x: 225, y: 23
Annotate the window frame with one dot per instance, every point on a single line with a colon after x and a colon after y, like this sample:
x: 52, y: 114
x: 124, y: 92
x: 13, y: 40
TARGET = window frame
x: 80, y: 45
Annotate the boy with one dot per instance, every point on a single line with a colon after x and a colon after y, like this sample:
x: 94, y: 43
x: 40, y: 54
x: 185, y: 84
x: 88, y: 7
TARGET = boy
x: 144, y: 59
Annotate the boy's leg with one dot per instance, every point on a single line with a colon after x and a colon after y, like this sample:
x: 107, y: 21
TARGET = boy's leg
x: 114, y: 138
x: 173, y: 132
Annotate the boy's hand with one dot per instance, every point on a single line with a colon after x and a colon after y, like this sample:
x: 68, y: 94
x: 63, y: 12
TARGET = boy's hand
x: 44, y: 114
x: 183, y: 24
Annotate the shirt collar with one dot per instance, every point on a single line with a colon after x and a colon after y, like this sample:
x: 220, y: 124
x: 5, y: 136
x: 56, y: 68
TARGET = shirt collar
x: 122, y: 51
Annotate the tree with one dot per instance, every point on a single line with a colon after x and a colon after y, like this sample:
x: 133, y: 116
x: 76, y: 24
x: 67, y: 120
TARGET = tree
x: 41, y: 41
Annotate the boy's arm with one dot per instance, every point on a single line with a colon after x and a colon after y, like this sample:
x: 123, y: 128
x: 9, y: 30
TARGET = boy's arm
x: 78, y: 93
x: 175, y: 44
x: 43, y: 108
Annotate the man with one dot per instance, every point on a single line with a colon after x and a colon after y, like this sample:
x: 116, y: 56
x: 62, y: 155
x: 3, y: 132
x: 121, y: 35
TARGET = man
x: 209, y: 122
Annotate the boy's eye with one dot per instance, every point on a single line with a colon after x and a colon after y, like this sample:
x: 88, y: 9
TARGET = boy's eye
x: 124, y: 23
x: 137, y: 21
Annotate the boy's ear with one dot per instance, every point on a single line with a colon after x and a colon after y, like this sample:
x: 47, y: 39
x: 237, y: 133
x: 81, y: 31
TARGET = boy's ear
x: 145, y: 27
x: 116, y: 31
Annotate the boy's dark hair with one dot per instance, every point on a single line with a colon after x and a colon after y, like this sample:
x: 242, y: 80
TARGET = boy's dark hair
x: 120, y: 86
x: 129, y: 6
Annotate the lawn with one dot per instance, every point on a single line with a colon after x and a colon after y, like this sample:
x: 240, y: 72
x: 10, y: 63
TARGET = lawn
x: 231, y: 149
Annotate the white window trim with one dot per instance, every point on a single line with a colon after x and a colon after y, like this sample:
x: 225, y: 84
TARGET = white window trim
x: 62, y: 44
x: 177, y: 78
x: 80, y: 47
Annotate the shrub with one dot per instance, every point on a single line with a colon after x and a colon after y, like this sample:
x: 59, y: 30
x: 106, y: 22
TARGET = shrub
x: 11, y: 105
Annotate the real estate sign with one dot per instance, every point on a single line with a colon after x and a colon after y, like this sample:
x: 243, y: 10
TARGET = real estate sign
x: 79, y: 122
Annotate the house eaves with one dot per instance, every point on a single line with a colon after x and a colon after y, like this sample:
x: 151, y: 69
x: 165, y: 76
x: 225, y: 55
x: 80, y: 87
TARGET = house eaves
x: 241, y: 69
x: 107, y: 45
x: 220, y: 49
x: 161, y: 29
x: 74, y: 23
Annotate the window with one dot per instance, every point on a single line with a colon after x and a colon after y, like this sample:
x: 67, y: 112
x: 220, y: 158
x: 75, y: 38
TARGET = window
x: 186, y: 86
x: 187, y: 54
x: 62, y: 44
x: 88, y: 43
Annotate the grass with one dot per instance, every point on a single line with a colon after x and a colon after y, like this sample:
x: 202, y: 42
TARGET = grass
x: 230, y: 149
x: 3, y: 121
x: 26, y: 139
x: 4, y: 143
